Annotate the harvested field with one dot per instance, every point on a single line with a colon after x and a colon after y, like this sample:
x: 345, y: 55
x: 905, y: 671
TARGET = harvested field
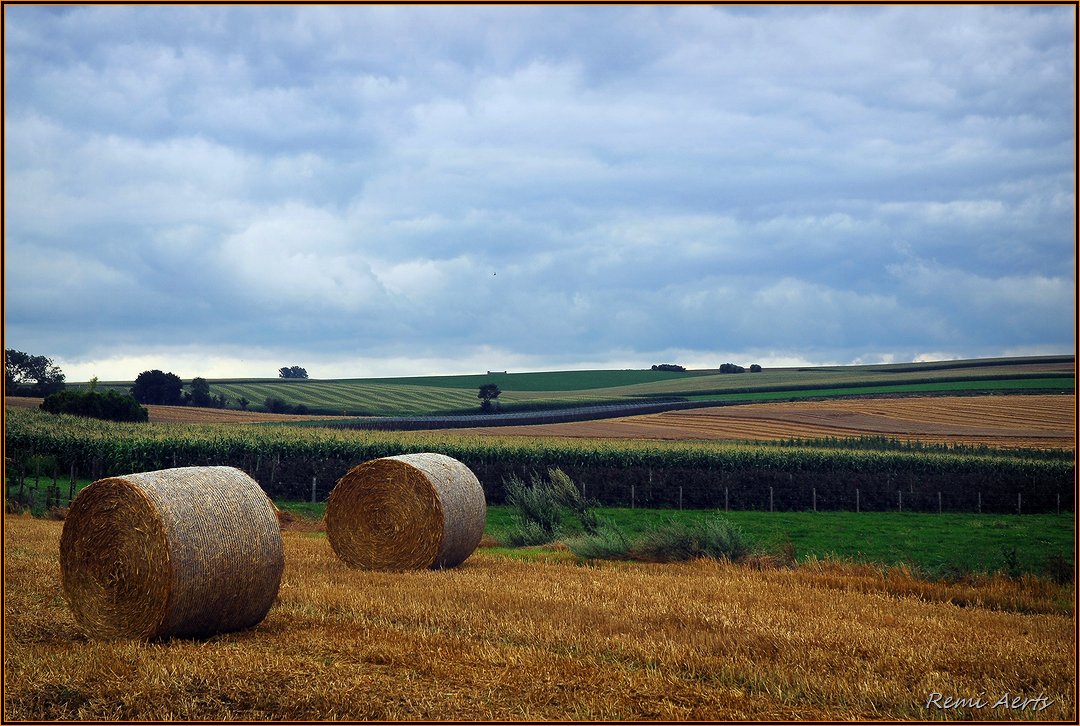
x: 497, y: 639
x: 1007, y: 421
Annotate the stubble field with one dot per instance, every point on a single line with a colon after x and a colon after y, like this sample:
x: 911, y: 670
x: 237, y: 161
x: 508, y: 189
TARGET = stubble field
x: 499, y: 639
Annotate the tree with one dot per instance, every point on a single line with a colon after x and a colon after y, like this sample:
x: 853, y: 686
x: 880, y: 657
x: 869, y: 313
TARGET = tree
x: 488, y: 392
x: 732, y: 368
x: 755, y: 368
x: 30, y: 375
x: 158, y: 388
x: 200, y: 393
x: 292, y: 372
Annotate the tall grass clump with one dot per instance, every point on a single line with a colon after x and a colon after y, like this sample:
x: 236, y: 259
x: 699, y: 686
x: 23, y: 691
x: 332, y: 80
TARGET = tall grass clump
x: 675, y: 540
x: 540, y: 506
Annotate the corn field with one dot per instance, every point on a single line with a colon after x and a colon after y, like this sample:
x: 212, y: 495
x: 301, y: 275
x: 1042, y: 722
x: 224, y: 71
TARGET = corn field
x: 292, y: 462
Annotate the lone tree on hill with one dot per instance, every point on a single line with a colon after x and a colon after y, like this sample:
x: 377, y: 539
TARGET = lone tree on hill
x: 292, y: 372
x: 488, y: 393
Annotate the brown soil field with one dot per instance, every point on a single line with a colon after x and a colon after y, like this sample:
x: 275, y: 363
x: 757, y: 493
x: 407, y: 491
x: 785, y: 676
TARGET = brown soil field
x: 502, y: 639
x: 1007, y: 421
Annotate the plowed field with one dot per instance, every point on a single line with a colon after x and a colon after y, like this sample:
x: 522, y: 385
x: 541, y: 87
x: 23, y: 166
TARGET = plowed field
x: 1032, y: 421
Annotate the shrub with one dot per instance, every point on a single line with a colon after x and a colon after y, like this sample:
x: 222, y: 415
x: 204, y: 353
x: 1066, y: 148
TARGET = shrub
x: 732, y: 368
x: 536, y: 507
x: 527, y: 534
x: 679, y: 540
x: 107, y: 405
x: 540, y: 505
x: 674, y: 541
x: 605, y: 542
x: 669, y: 367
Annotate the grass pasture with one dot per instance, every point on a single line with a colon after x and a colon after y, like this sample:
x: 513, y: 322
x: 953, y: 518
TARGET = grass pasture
x: 499, y: 639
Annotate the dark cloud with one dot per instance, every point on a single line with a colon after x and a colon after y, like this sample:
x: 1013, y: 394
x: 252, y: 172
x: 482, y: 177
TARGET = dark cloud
x: 438, y: 186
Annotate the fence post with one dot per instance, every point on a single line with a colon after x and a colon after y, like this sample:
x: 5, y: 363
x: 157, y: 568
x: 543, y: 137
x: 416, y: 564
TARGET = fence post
x: 980, y: 503
x: 856, y: 500
x: 632, y: 496
x: 680, y: 497
x: 900, y: 498
x: 813, y: 492
x: 1059, y: 502
x: 725, y: 499
x: 939, y: 502
x: 313, y: 479
x: 770, y: 499
x: 1018, y: 495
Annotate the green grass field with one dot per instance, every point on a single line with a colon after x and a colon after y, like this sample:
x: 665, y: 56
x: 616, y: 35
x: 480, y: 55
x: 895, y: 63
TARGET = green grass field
x: 442, y: 395
x: 937, y: 546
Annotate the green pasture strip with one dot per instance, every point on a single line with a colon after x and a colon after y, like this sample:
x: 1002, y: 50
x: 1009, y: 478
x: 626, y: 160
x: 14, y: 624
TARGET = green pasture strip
x: 546, y: 381
x: 935, y: 545
x: 1055, y: 385
x: 335, y: 397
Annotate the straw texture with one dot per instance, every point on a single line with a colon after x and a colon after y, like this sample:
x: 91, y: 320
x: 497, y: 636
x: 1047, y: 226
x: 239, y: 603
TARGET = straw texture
x: 406, y: 512
x: 190, y: 551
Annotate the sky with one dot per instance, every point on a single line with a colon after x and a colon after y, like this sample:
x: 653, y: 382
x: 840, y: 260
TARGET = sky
x: 221, y: 191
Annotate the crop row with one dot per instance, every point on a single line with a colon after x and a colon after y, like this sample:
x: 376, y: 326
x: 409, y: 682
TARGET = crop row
x: 289, y: 461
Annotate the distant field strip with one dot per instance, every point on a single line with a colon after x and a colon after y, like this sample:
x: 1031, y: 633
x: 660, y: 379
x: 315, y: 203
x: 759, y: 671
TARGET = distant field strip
x: 441, y: 395
x: 1026, y: 421
x: 338, y: 396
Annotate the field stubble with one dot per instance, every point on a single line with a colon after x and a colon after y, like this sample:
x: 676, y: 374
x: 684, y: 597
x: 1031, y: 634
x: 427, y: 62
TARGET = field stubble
x: 497, y: 639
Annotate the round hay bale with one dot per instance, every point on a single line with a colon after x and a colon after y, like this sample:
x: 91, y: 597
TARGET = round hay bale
x: 406, y: 512
x: 190, y: 551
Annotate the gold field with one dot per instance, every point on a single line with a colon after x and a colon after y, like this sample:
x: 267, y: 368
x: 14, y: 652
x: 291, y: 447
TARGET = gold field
x: 497, y: 639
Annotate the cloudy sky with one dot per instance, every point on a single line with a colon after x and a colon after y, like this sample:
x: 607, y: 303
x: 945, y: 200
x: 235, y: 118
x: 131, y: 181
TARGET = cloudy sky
x: 378, y: 190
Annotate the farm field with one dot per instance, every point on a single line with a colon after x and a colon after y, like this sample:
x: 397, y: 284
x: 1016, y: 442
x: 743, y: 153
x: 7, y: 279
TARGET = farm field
x: 500, y: 639
x: 1003, y: 421
x: 444, y: 395
x: 1006, y: 421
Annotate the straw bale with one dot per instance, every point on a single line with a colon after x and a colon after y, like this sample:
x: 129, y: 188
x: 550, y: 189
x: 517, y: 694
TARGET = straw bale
x: 191, y: 551
x: 406, y: 512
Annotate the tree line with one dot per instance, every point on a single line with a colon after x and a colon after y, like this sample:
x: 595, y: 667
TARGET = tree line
x: 39, y: 377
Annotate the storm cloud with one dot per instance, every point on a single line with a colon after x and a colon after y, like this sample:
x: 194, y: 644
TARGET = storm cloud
x: 395, y: 190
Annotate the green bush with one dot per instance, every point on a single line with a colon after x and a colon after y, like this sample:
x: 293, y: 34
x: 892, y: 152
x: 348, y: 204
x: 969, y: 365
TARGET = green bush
x: 605, y: 542
x: 674, y: 541
x: 536, y: 506
x: 527, y: 534
x: 108, y: 405
x: 540, y: 506
x: 678, y: 540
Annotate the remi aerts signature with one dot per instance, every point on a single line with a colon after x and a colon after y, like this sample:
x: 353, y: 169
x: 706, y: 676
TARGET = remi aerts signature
x: 1008, y: 701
